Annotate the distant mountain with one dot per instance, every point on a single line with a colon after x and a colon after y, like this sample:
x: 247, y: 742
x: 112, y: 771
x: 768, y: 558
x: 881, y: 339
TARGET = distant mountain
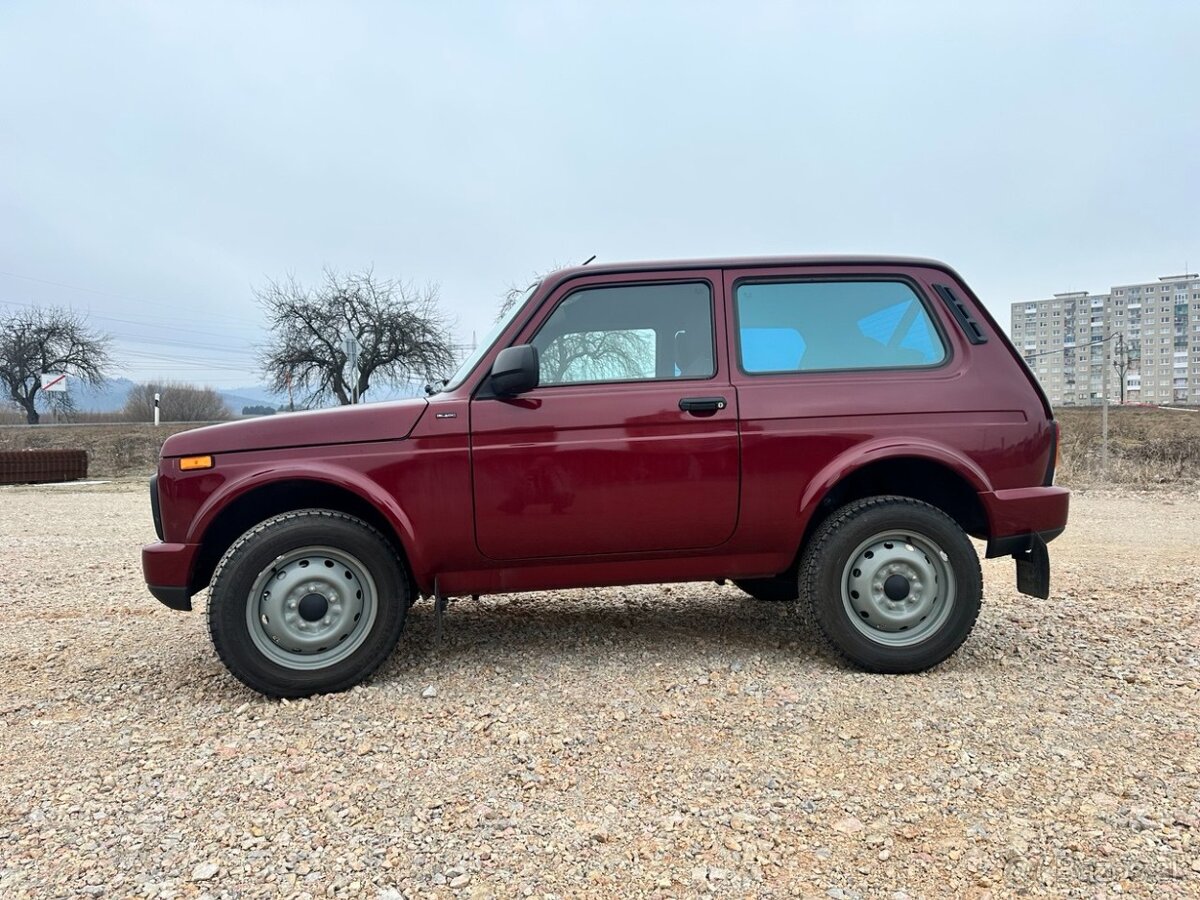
x: 252, y: 395
x: 111, y: 396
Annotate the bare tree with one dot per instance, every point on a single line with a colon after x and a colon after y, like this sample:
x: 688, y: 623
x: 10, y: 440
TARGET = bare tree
x: 180, y: 402
x: 48, y: 340
x: 596, y: 356
x: 513, y: 295
x: 584, y: 356
x: 400, y: 332
x: 516, y: 293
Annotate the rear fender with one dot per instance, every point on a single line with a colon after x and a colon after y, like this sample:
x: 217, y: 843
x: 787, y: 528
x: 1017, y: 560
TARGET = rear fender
x: 878, y: 450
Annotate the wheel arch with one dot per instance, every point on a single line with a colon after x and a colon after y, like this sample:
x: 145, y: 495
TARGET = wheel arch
x: 930, y: 473
x: 230, y: 513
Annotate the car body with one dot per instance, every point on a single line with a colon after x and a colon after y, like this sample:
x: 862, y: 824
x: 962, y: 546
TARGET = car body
x: 727, y: 409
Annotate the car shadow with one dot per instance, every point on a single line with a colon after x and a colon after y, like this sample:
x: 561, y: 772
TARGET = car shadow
x: 531, y: 629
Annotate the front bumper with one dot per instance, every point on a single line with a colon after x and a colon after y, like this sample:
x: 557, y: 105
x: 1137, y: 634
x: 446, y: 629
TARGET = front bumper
x: 167, y: 569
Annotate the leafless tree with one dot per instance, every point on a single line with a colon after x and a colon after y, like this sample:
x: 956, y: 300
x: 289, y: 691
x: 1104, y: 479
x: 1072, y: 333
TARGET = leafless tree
x: 584, y: 356
x: 48, y: 340
x: 596, y: 356
x: 516, y: 293
x: 180, y: 402
x: 401, y: 332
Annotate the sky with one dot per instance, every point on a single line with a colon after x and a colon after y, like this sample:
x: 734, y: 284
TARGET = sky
x: 159, y: 161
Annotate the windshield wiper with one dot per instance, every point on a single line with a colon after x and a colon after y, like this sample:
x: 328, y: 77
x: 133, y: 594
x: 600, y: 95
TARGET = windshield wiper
x: 435, y: 386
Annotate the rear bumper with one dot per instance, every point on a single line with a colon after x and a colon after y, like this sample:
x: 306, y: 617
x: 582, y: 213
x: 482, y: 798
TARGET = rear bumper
x: 1022, y: 522
x: 167, y: 569
x: 1017, y: 516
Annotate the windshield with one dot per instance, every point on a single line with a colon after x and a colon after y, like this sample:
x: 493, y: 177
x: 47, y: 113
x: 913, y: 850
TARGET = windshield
x: 485, y: 345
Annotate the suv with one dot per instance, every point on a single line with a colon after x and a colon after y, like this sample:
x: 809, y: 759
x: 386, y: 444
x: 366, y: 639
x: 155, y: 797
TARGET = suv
x: 830, y: 429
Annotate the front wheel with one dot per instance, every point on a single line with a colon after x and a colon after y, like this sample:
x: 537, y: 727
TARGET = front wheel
x: 894, y: 583
x: 307, y: 602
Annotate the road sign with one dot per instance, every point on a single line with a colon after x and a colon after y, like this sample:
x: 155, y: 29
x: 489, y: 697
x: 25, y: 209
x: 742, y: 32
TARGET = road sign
x: 52, y: 382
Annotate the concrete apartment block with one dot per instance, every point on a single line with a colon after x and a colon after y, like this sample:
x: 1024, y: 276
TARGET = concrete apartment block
x: 1156, y: 324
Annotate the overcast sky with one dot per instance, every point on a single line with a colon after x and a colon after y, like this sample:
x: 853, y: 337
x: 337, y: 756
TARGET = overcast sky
x: 160, y: 160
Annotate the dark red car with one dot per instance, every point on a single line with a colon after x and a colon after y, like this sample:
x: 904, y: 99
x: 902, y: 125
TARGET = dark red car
x: 830, y: 429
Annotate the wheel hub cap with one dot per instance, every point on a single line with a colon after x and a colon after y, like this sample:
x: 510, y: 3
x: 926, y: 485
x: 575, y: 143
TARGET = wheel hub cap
x: 898, y: 588
x: 311, y: 608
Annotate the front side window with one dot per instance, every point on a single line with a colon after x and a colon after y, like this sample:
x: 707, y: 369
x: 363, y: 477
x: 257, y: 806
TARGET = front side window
x: 638, y: 332
x: 803, y: 326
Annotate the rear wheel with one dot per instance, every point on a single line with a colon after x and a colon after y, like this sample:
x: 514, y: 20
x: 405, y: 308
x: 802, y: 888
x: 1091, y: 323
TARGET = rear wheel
x: 307, y: 602
x: 779, y: 589
x: 894, y: 583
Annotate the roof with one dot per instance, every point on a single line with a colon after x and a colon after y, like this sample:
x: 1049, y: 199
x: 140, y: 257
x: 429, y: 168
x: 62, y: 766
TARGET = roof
x: 746, y: 262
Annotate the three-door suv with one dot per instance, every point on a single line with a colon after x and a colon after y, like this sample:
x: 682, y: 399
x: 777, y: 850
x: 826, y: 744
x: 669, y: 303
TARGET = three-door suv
x: 824, y: 429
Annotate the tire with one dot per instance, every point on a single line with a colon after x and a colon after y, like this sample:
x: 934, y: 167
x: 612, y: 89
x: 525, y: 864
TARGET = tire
x: 329, y: 601
x: 780, y: 589
x: 894, y: 583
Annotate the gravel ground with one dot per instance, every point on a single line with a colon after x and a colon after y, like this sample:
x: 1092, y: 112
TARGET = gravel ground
x: 668, y: 741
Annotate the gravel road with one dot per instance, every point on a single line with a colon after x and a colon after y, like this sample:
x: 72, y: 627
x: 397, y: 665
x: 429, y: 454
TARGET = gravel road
x: 669, y: 741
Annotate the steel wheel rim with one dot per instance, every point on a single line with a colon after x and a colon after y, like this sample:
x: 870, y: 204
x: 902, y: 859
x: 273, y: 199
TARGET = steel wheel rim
x: 311, y: 608
x: 898, y: 588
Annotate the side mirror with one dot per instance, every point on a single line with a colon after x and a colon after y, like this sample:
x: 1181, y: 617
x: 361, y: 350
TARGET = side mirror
x: 515, y: 370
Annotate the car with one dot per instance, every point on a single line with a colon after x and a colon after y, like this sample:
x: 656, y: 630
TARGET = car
x: 828, y: 430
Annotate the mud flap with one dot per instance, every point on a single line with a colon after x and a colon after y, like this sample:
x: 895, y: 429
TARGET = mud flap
x: 1033, y: 569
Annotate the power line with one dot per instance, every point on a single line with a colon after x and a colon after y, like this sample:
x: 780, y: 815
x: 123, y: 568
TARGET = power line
x: 1064, y: 349
x: 143, y: 301
x: 237, y: 351
x: 142, y: 323
x: 247, y: 349
x: 189, y: 361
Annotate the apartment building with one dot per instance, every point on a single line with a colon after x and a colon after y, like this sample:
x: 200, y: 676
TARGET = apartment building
x: 1153, y: 331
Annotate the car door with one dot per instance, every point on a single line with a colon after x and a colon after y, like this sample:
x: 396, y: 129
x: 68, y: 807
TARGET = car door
x: 630, y: 442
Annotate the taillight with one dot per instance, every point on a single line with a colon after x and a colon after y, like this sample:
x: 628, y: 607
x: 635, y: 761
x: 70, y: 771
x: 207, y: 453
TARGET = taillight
x: 1055, y: 452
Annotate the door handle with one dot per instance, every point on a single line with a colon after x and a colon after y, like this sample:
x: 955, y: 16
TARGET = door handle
x: 701, y: 404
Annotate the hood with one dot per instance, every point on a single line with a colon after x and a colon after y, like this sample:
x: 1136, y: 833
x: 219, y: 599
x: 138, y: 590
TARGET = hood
x: 341, y: 425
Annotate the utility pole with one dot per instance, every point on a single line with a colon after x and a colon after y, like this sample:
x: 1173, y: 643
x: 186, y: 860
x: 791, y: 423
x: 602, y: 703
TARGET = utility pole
x: 1122, y: 364
x: 350, y: 345
x: 1104, y: 409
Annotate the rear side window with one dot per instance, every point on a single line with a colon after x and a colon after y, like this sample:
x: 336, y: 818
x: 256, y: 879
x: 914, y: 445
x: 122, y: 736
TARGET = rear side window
x: 804, y: 326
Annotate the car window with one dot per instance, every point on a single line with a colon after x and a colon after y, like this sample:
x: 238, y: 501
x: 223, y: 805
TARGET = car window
x: 802, y: 326
x: 628, y: 333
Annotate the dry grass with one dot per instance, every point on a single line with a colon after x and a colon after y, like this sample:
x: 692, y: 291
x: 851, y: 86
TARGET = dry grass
x: 1147, y: 447
x: 115, y: 450
x: 13, y: 416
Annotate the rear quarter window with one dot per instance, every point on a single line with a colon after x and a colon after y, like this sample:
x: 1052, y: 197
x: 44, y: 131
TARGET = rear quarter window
x: 805, y: 326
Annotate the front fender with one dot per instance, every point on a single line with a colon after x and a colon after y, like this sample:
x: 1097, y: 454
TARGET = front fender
x: 322, y: 472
